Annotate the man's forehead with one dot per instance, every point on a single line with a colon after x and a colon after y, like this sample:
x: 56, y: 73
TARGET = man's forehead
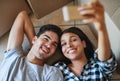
x: 52, y: 35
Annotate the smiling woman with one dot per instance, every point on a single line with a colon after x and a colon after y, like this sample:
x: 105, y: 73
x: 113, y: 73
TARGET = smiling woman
x: 84, y: 63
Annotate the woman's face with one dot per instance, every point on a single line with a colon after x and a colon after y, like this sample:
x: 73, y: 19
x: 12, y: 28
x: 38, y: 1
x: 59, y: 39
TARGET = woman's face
x: 72, y: 46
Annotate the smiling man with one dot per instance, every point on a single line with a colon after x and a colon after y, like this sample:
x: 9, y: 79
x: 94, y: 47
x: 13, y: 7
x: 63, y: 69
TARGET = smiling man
x: 18, y: 67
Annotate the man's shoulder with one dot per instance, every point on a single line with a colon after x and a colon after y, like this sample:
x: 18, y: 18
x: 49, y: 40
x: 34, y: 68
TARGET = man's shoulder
x: 52, y: 72
x: 50, y: 69
x: 14, y: 51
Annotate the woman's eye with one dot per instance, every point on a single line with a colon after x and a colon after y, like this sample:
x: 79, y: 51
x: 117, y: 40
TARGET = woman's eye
x: 63, y: 44
x: 74, y: 40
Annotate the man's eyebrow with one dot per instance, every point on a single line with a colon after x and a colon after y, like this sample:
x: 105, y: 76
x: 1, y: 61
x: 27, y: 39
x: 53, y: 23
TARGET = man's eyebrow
x: 51, y: 39
x: 47, y: 36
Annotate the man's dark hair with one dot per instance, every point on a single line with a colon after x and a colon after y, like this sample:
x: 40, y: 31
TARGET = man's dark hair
x: 49, y: 27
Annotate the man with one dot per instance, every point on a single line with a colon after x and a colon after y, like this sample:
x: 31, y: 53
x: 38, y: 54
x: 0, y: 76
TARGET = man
x: 17, y: 67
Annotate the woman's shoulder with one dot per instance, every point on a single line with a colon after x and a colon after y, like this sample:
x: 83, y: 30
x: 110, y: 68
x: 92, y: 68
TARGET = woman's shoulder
x: 60, y: 65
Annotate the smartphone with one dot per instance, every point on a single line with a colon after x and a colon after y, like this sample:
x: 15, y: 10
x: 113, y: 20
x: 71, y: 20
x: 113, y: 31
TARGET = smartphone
x: 71, y: 13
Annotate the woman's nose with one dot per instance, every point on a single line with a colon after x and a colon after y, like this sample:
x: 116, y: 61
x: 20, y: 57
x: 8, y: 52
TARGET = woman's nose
x: 68, y: 44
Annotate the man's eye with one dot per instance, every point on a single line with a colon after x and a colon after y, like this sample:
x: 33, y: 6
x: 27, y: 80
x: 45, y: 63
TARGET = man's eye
x: 54, y: 44
x: 46, y: 39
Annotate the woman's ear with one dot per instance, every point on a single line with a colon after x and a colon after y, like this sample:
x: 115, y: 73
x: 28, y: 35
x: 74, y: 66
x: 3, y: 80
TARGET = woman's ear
x: 34, y: 39
x: 84, y: 43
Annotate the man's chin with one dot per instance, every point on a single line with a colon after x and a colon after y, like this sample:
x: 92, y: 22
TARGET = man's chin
x: 43, y: 57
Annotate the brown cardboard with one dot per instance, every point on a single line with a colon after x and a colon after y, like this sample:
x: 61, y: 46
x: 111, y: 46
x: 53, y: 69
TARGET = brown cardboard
x: 43, y: 7
x: 8, y: 12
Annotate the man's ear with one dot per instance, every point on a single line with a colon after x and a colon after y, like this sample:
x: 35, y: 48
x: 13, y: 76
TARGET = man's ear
x: 34, y: 39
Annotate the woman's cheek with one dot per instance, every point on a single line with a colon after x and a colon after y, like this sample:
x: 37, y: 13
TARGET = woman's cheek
x: 63, y: 50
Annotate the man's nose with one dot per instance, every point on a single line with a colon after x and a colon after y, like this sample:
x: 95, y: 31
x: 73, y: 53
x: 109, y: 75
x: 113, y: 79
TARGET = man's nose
x: 48, y: 45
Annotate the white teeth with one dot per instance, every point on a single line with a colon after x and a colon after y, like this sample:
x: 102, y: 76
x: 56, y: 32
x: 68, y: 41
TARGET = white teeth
x: 45, y: 49
x: 71, y: 51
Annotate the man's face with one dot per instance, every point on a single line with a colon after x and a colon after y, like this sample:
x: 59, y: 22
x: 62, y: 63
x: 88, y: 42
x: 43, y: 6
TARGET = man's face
x: 45, y: 45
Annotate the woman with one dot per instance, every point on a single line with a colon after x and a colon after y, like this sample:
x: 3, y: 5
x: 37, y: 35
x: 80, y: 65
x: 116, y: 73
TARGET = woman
x: 84, y: 63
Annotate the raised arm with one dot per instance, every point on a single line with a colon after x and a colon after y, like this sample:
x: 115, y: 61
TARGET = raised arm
x: 95, y: 13
x: 22, y: 25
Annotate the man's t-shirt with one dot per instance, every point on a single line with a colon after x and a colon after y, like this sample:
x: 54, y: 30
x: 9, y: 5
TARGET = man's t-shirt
x: 15, y: 67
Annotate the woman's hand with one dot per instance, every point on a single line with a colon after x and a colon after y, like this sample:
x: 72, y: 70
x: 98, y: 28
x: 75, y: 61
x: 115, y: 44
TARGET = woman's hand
x: 94, y: 13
